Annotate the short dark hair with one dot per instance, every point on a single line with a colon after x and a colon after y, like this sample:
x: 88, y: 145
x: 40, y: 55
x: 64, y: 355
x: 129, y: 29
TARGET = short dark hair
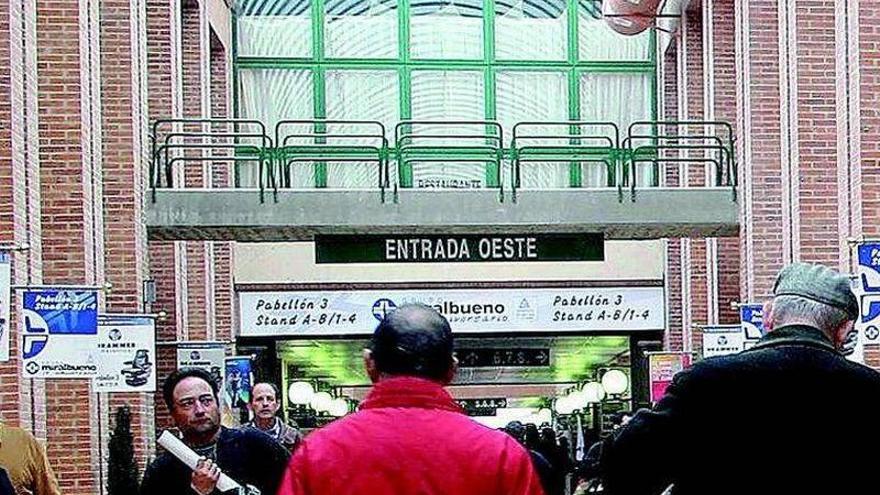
x: 270, y: 384
x: 178, y: 376
x: 413, y: 340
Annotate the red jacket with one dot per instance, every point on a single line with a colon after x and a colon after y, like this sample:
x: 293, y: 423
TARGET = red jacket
x: 410, y: 438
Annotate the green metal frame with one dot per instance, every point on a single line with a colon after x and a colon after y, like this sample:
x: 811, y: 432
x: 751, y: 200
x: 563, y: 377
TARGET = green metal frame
x: 404, y: 64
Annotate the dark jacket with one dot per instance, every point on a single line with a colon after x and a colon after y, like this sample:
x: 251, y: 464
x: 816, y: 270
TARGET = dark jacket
x: 246, y: 455
x: 410, y: 437
x: 790, y: 415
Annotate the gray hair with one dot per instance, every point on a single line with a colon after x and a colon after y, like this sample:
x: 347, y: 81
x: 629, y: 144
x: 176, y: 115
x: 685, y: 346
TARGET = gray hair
x: 796, y: 309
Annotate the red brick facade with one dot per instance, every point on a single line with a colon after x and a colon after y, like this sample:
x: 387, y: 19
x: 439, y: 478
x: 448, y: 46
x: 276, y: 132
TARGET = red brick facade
x: 81, y: 79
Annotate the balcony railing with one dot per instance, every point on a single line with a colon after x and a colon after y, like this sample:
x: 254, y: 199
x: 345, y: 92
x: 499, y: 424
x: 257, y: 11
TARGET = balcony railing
x: 661, y: 144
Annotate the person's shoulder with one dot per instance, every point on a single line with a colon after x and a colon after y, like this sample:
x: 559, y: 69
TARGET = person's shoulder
x: 162, y: 461
x: 17, y: 435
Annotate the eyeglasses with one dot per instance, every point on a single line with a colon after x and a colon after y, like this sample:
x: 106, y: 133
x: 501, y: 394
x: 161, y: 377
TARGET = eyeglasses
x: 190, y: 402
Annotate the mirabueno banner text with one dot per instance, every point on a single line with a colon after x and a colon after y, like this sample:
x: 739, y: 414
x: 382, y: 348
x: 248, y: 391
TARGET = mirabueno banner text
x: 479, y: 310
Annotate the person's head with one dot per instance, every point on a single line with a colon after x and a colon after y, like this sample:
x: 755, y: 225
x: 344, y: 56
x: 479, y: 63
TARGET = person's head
x: 517, y: 431
x: 533, y: 438
x: 264, y: 400
x: 815, y: 296
x: 548, y: 435
x: 191, y: 397
x: 413, y: 340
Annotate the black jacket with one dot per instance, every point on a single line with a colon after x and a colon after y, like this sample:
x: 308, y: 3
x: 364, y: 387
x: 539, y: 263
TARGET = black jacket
x: 246, y: 455
x: 789, y: 416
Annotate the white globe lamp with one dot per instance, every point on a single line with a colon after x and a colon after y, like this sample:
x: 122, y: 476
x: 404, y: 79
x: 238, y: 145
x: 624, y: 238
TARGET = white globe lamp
x: 300, y: 393
x: 594, y: 392
x: 321, y: 402
x: 615, y: 382
x: 338, y: 407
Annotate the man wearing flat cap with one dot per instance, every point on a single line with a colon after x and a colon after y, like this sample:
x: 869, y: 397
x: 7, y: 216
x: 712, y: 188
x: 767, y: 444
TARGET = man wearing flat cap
x: 789, y: 416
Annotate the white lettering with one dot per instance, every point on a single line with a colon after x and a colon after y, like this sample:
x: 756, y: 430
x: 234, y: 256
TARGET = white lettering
x: 390, y: 252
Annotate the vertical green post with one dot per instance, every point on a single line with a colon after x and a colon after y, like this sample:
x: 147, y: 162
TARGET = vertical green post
x: 489, y: 107
x: 236, y: 180
x: 404, y: 171
x: 575, y: 171
x: 320, y: 98
x: 652, y: 48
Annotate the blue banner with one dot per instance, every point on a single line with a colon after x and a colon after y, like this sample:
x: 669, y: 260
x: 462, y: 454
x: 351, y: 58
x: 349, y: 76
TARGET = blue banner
x: 237, y: 387
x: 752, y: 318
x: 869, y: 281
x: 60, y: 333
x: 64, y: 312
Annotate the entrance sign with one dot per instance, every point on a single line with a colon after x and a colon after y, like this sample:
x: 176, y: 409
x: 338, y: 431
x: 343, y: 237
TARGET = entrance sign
x: 458, y: 248
x: 311, y: 313
x: 5, y: 305
x: 210, y: 356
x: 60, y: 337
x: 126, y: 354
x: 662, y: 367
x: 752, y: 318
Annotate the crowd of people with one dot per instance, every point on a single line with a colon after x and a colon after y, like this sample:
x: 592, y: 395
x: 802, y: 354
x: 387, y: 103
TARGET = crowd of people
x: 791, y: 415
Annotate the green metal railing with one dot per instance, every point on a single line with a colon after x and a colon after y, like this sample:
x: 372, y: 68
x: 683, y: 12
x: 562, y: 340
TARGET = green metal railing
x: 431, y: 142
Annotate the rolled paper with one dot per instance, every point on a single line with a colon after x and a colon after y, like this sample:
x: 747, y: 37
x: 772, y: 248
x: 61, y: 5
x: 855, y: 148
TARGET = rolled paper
x: 186, y: 455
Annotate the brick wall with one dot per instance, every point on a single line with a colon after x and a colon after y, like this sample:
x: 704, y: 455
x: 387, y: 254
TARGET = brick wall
x: 22, y: 401
x: 125, y: 154
x: 164, y: 101
x: 196, y: 93
x: 221, y: 173
x: 866, y: 85
x: 674, y: 332
x: 724, y: 108
x: 69, y: 155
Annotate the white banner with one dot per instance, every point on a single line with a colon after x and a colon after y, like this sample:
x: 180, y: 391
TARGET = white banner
x: 468, y: 311
x: 725, y: 339
x: 5, y: 306
x: 210, y: 356
x: 126, y: 354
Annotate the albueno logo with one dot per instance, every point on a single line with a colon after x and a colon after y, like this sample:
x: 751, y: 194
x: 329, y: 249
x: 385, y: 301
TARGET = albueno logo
x: 69, y: 367
x: 451, y: 308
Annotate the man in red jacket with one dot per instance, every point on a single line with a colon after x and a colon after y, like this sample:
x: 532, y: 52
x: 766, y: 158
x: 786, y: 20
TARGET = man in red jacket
x: 410, y: 437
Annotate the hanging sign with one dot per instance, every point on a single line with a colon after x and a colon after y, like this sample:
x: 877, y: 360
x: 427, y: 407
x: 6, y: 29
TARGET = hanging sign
x: 60, y: 337
x: 5, y: 304
x: 308, y: 313
x: 458, y: 248
x: 238, y: 382
x: 752, y: 320
x: 126, y: 354
x: 867, y: 289
x: 209, y: 356
x: 721, y: 340
x: 662, y: 367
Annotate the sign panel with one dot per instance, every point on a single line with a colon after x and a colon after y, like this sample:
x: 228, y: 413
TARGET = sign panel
x: 490, y: 358
x: 210, y: 356
x: 482, y: 407
x: 662, y: 367
x: 722, y: 340
x: 5, y: 304
x: 752, y: 320
x: 126, y: 354
x: 60, y: 337
x: 458, y: 248
x: 310, y: 313
x: 238, y: 383
x: 868, y: 291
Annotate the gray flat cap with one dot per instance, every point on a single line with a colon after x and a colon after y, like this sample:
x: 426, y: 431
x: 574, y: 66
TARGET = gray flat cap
x: 817, y: 283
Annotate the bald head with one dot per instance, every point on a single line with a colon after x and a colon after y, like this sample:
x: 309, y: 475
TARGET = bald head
x: 414, y: 340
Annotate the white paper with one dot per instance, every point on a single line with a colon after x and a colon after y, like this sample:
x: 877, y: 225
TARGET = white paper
x: 186, y: 455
